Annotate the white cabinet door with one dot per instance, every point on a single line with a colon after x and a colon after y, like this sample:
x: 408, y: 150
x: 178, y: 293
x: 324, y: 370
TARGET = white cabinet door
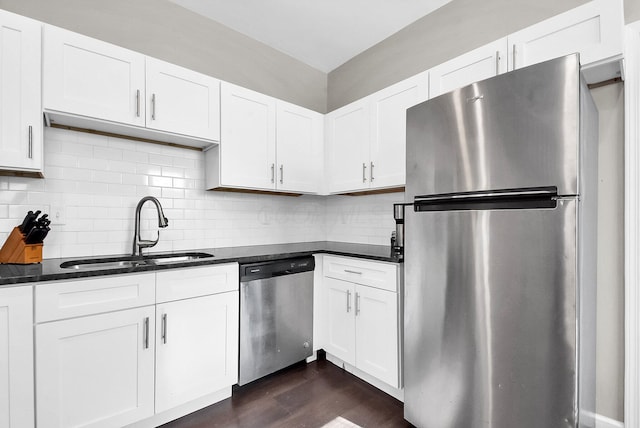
x: 377, y: 333
x: 88, y: 77
x: 593, y: 29
x: 248, y: 138
x: 197, y: 348
x: 389, y: 130
x: 182, y: 101
x: 20, y: 93
x: 478, y: 64
x: 16, y: 358
x: 96, y: 371
x: 348, y: 141
x: 299, y: 156
x: 340, y: 330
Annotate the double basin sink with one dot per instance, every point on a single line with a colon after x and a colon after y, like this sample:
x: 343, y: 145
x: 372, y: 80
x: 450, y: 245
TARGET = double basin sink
x: 134, y: 261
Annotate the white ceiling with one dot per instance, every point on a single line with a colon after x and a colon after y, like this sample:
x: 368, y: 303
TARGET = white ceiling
x: 322, y: 33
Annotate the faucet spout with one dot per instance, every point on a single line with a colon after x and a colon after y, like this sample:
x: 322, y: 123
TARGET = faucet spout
x: 139, y: 243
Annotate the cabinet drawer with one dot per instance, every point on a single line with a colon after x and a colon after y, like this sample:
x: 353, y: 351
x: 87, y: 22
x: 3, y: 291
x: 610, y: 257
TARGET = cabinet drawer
x: 197, y: 281
x: 374, y: 274
x: 67, y: 299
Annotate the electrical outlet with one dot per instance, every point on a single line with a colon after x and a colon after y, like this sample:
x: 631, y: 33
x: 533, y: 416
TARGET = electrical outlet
x: 57, y: 215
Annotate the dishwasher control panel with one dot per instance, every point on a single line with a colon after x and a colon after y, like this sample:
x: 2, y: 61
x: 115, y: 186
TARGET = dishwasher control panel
x: 273, y: 268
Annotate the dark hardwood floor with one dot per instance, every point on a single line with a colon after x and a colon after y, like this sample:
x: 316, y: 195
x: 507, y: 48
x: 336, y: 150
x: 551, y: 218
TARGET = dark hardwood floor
x: 304, y: 395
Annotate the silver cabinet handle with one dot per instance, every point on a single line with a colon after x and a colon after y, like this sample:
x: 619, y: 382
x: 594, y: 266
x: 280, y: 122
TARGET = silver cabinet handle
x: 348, y: 301
x: 371, y: 171
x: 273, y: 172
x: 497, y: 62
x: 364, y: 172
x: 146, y: 333
x: 164, y: 328
x: 153, y: 107
x: 138, y: 103
x: 353, y: 271
x: 514, y: 56
x: 30, y: 142
x: 281, y: 174
x: 357, y: 303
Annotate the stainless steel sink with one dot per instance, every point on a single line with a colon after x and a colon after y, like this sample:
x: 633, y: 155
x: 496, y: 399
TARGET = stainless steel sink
x: 133, y: 261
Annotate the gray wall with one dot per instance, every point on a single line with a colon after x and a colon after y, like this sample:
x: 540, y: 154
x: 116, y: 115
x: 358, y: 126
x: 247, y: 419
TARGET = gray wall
x: 452, y: 30
x: 610, y: 312
x: 631, y: 10
x: 169, y: 32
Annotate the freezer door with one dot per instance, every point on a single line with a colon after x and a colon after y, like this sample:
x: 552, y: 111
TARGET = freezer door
x: 490, y: 318
x: 516, y: 130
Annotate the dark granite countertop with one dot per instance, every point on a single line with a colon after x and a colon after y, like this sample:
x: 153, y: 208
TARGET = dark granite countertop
x: 50, y: 269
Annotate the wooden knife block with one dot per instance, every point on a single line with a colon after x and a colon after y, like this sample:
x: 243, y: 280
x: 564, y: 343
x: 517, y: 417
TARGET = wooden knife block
x: 16, y: 251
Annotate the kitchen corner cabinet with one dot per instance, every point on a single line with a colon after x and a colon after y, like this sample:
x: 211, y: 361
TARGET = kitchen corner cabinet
x: 479, y: 64
x: 299, y: 148
x: 593, y: 29
x: 20, y: 94
x: 265, y: 144
x: 16, y: 357
x: 93, y: 84
x: 363, y: 315
x: 366, y: 139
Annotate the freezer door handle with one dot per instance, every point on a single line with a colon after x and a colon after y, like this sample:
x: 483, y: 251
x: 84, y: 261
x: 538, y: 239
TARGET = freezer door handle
x: 538, y: 197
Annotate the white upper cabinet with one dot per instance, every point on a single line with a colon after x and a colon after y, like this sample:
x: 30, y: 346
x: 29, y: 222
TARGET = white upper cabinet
x: 348, y: 136
x: 248, y: 138
x: 387, y: 163
x: 182, y: 101
x: 266, y: 144
x: 92, y: 84
x: 299, y: 143
x: 88, y: 77
x: 20, y: 94
x: 478, y: 64
x: 366, y: 139
x: 593, y: 29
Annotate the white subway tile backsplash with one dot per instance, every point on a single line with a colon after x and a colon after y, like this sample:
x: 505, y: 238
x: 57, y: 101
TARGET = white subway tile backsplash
x: 107, y: 177
x: 168, y: 171
x: 136, y: 179
x: 122, y: 166
x: 107, y: 153
x: 99, y: 180
x: 165, y: 182
x: 161, y: 160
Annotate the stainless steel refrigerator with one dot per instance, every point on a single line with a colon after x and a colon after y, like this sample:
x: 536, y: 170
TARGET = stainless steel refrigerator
x: 500, y: 253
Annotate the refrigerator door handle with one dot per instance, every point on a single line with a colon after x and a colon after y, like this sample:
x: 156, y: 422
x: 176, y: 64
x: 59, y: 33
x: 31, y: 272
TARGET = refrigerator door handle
x: 539, y: 197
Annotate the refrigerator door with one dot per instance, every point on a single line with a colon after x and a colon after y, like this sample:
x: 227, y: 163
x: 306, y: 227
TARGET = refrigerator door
x: 490, y: 318
x: 516, y: 130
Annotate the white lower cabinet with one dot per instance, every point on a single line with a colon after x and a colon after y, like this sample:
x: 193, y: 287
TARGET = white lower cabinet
x: 96, y: 370
x: 197, y: 348
x: 362, y: 312
x: 16, y: 357
x: 148, y: 364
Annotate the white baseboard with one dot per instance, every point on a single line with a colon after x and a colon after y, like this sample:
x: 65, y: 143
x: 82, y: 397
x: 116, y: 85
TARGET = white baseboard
x: 605, y: 422
x: 396, y: 393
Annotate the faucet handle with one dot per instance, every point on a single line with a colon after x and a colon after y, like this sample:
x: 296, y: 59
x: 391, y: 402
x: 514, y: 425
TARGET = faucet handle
x: 146, y: 243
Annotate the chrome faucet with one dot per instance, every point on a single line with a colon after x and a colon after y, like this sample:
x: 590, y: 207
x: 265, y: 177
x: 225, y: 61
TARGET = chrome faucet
x: 139, y: 244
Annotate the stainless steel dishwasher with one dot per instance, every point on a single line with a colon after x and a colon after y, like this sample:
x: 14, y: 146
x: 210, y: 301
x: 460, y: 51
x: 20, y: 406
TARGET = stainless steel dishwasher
x: 276, y: 316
